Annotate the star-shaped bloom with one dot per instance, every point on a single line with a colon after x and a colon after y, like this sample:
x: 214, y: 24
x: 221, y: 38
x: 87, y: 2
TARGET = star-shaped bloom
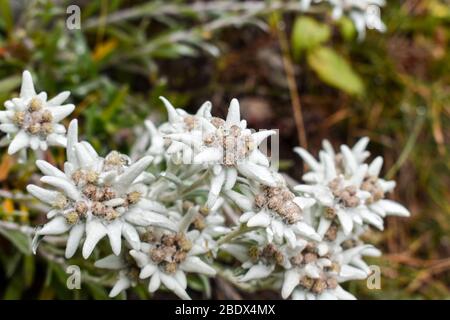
x: 166, y: 257
x: 97, y: 197
x: 277, y: 210
x: 317, y: 269
x: 228, y: 148
x: 348, y: 191
x: 32, y: 121
x: 363, y: 13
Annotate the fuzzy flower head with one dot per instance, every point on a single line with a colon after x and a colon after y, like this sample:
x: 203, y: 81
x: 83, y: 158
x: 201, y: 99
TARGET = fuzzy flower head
x: 363, y: 13
x: 179, y: 123
x: 96, y: 196
x: 317, y: 269
x: 277, y: 210
x: 228, y: 148
x: 166, y: 256
x: 348, y: 192
x: 32, y: 121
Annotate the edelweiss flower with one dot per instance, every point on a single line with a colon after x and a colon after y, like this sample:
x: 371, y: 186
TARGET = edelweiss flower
x: 277, y: 209
x: 164, y: 257
x: 364, y: 13
x: 347, y: 190
x: 32, y: 121
x: 97, y: 196
x: 318, y: 268
x: 258, y: 256
x: 209, y: 223
x: 128, y: 271
x: 180, y: 122
x: 228, y: 148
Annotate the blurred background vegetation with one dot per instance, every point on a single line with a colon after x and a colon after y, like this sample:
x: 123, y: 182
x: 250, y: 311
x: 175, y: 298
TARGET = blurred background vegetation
x: 393, y: 87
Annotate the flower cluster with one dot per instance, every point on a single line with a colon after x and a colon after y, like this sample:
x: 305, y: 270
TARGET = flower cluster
x: 363, y: 13
x: 198, y: 192
x: 32, y: 121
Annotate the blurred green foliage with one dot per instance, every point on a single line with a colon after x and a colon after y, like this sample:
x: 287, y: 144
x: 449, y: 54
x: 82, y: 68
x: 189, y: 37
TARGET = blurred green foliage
x: 392, y: 87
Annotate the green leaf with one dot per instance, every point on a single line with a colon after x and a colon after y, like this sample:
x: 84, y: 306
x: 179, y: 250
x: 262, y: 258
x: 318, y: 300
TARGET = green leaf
x: 307, y: 34
x: 6, y: 14
x: 28, y: 270
x: 347, y: 28
x: 333, y: 69
x: 21, y: 241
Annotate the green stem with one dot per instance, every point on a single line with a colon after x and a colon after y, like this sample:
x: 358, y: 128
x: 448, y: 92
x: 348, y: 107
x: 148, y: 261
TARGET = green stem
x: 235, y: 233
x: 409, y: 144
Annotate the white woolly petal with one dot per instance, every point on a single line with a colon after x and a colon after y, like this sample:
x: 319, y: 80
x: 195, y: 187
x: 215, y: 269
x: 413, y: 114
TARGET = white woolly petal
x: 74, y: 239
x: 55, y: 139
x: 58, y: 99
x: 56, y: 226
x: 69, y: 189
x: 361, y: 145
x: 20, y: 141
x: 350, y: 273
x: 115, y: 236
x: 147, y: 271
x: 152, y: 206
x: 95, y: 231
x: 174, y: 286
x: 72, y: 140
x: 375, y: 167
x: 323, y: 227
x: 148, y: 218
x: 312, y: 271
x: 34, y: 142
x: 329, y: 166
x: 393, y: 208
x: 303, y: 202
x: 326, y: 296
x: 346, y: 221
x: 342, y: 294
x: 260, y: 219
x: 154, y: 282
x: 83, y: 155
x: 194, y: 264
x: 260, y: 136
x: 308, y: 158
x: 234, y: 113
x: 180, y: 276
x: 47, y: 196
x: 49, y: 170
x: 132, y: 172
x: 238, y: 251
x: 112, y: 262
x: 216, y: 186
x: 141, y: 258
x: 230, y: 178
x: 242, y: 201
x: 291, y: 280
x: 27, y: 87
x: 256, y: 172
x: 349, y: 160
x: 257, y: 271
x: 307, y: 231
x: 122, y: 284
x: 131, y: 235
x: 208, y: 155
x: 171, y: 112
x: 61, y: 112
x: 9, y: 128
x: 359, y: 175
